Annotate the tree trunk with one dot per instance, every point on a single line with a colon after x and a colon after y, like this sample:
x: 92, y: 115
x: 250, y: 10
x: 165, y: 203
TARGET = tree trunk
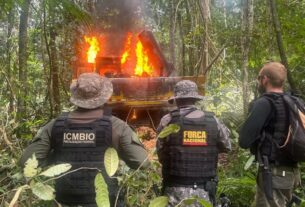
x: 23, y: 56
x: 246, y: 32
x: 172, y: 32
x: 182, y: 48
x: 47, y: 70
x: 205, y: 7
x: 54, y: 62
x: 277, y: 28
x: 10, y: 27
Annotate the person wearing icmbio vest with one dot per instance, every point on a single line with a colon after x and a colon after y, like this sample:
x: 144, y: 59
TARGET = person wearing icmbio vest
x: 189, y: 157
x: 81, y: 138
x: 266, y: 128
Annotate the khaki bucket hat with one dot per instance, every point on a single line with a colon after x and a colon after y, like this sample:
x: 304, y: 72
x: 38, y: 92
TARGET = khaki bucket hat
x: 90, y: 91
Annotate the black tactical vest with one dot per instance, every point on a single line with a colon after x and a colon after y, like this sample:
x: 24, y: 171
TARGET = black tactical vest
x: 191, y: 155
x: 82, y: 145
x: 277, y: 130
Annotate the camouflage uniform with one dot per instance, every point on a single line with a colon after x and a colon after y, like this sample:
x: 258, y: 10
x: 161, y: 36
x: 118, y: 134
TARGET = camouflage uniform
x: 89, y: 93
x: 284, y: 180
x: 176, y: 193
x: 188, y: 90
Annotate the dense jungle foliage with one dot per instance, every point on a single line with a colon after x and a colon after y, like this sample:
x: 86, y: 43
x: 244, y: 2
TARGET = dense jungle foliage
x: 226, y: 40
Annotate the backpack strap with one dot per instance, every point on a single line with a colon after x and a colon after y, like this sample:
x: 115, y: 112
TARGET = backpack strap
x: 61, y: 121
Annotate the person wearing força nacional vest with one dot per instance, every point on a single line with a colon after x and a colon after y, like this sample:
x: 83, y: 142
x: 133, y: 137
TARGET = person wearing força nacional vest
x: 264, y: 130
x: 81, y: 138
x: 189, y: 157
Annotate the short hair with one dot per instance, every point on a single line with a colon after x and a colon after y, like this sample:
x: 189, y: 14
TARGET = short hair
x: 276, y: 72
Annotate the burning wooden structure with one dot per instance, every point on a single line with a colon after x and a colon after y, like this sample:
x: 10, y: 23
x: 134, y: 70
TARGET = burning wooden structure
x: 142, y: 78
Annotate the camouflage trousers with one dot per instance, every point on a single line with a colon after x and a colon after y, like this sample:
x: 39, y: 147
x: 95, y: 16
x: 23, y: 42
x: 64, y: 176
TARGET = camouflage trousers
x: 284, y: 180
x: 177, y: 194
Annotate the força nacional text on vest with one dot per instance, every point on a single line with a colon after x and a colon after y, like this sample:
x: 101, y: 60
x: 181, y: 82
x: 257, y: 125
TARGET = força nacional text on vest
x: 194, y: 138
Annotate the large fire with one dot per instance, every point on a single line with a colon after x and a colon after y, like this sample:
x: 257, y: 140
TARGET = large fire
x: 127, y: 49
x: 134, y: 59
x: 93, y: 48
x: 143, y: 67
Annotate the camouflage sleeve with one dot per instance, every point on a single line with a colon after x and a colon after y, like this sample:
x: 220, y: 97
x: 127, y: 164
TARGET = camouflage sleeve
x: 40, y: 145
x: 223, y: 143
x: 128, y: 145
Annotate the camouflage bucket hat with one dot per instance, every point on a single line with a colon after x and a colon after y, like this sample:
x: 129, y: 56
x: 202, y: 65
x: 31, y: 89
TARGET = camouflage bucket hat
x: 90, y: 91
x: 185, y: 89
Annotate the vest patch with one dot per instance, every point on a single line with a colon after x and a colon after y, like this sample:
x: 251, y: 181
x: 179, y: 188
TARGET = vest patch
x: 79, y: 138
x: 195, y: 138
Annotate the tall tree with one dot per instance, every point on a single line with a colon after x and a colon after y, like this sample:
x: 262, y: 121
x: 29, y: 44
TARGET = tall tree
x: 23, y: 56
x: 54, y: 70
x: 278, y: 33
x: 247, y: 15
x: 10, y: 27
x: 205, y: 7
x: 172, y: 31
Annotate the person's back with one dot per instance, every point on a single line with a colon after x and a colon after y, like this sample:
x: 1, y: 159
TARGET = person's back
x: 265, y: 129
x: 189, y: 157
x: 81, y: 138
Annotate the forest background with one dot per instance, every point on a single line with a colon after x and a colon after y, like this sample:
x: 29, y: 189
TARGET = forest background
x: 227, y: 40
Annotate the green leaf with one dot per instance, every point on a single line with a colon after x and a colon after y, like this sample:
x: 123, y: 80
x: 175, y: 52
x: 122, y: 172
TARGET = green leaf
x: 111, y: 161
x: 56, y: 170
x: 189, y: 201
x: 44, y: 192
x: 204, y: 203
x: 31, y: 165
x: 172, y: 128
x: 101, y: 190
x: 160, y: 201
x: 249, y: 162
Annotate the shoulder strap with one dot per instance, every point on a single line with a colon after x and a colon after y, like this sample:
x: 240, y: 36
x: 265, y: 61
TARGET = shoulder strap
x: 263, y: 135
x: 59, y: 122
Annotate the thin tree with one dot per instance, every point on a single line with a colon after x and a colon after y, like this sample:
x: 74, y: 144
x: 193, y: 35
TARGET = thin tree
x: 278, y: 33
x: 23, y: 56
x: 205, y: 9
x: 54, y: 70
x: 247, y: 13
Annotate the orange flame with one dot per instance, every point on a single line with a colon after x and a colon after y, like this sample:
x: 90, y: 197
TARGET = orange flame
x: 143, y: 65
x: 93, y: 49
x: 127, y: 49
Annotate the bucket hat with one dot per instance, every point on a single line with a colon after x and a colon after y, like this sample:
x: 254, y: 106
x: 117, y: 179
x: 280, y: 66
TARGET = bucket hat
x: 90, y: 91
x: 185, y: 89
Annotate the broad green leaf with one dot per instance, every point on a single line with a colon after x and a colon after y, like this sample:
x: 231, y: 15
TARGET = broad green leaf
x: 160, y: 201
x: 31, y: 165
x: 44, y: 192
x: 204, y: 203
x: 111, y: 161
x: 249, y: 162
x: 56, y: 170
x: 172, y: 128
x: 101, y: 190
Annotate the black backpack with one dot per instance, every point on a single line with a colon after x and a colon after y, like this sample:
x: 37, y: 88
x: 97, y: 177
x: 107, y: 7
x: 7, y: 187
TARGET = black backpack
x: 294, y: 145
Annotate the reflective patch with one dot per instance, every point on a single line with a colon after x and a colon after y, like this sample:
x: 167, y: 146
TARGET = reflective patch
x: 79, y: 138
x: 195, y: 138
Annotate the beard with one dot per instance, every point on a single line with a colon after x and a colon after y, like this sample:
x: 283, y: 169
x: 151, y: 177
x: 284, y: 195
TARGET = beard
x: 261, y: 89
